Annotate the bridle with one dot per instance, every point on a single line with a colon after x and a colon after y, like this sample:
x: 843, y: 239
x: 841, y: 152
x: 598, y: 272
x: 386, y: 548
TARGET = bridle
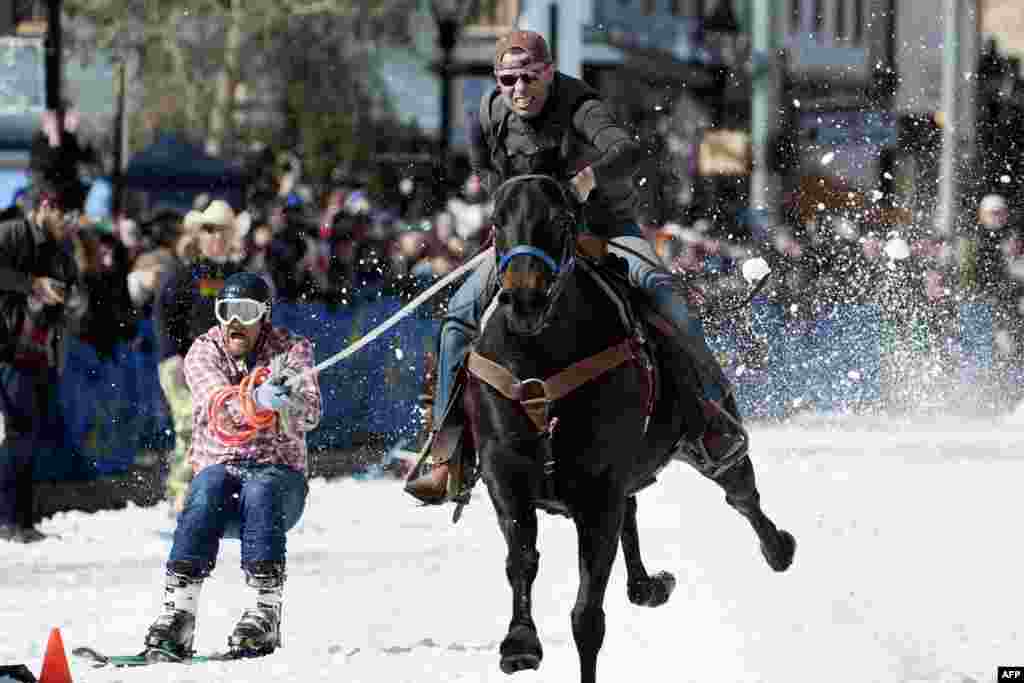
x: 562, y: 269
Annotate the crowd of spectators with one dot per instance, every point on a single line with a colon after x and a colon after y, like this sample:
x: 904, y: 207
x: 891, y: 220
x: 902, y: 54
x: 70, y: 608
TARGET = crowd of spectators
x: 345, y: 246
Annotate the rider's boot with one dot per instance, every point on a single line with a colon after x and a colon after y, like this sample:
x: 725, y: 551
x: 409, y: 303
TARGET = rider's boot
x: 431, y: 487
x: 258, y: 632
x: 443, y: 449
x: 724, y: 441
x: 174, y: 629
x: 720, y: 439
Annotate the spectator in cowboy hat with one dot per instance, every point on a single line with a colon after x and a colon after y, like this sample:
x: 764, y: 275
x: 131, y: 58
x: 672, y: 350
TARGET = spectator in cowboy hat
x: 183, y: 312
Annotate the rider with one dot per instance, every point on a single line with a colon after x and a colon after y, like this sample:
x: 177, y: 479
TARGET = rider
x: 539, y: 120
x: 251, y: 489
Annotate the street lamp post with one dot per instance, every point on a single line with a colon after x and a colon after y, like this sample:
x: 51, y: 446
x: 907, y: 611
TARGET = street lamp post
x: 450, y: 16
x: 54, y: 65
x: 721, y: 35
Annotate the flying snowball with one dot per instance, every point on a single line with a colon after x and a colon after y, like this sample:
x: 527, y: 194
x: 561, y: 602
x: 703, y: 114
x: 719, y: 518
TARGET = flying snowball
x: 755, y: 269
x: 897, y: 249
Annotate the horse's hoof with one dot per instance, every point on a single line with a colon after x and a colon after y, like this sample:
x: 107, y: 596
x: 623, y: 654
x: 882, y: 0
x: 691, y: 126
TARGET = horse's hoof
x: 520, y: 650
x: 652, y: 591
x: 780, y: 556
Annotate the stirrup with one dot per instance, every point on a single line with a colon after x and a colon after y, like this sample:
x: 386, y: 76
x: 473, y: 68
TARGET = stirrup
x: 696, y: 454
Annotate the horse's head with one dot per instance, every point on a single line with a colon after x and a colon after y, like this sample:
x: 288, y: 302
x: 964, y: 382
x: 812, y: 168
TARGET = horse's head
x: 535, y: 244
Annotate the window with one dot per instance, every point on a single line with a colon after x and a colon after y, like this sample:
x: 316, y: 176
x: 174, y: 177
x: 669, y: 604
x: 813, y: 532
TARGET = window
x: 794, y: 16
x: 649, y: 7
x: 819, y: 19
x: 840, y: 31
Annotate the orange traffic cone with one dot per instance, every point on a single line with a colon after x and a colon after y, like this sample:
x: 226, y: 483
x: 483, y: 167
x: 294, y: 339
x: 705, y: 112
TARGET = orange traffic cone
x: 55, y: 662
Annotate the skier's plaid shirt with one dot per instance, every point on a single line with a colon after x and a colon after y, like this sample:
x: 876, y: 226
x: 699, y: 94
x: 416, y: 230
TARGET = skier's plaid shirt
x: 208, y: 367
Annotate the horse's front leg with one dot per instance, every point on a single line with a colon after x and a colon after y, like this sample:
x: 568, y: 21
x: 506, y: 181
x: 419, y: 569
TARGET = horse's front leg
x: 510, y: 491
x: 598, y: 526
x: 642, y: 589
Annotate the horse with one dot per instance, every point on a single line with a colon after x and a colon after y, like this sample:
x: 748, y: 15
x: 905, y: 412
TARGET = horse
x: 584, y: 440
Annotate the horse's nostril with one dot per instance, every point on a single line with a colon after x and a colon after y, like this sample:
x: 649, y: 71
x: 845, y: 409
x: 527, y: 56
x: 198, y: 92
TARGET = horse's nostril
x: 505, y: 298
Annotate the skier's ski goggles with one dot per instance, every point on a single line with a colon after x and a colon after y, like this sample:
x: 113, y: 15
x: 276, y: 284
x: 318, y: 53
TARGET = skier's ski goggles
x: 245, y: 311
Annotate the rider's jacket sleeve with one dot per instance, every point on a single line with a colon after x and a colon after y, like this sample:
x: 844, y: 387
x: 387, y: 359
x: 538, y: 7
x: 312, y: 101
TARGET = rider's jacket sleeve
x: 620, y: 153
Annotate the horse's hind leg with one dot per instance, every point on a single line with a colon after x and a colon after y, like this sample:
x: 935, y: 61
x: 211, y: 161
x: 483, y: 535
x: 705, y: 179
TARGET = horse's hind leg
x: 642, y: 589
x: 777, y: 545
x: 598, y: 528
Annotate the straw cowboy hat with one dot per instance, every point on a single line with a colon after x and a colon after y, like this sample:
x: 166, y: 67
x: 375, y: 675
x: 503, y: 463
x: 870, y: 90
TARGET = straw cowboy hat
x: 219, y: 212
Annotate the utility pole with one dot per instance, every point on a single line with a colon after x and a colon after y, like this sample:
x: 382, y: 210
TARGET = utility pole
x: 946, y: 210
x: 117, y: 178
x: 54, y: 65
x: 764, y: 107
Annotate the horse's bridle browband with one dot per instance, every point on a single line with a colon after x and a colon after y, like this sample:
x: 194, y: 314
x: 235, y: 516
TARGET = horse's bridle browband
x: 523, y: 250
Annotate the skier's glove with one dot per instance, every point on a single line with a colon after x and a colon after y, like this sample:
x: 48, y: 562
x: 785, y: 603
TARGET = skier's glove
x: 272, y: 396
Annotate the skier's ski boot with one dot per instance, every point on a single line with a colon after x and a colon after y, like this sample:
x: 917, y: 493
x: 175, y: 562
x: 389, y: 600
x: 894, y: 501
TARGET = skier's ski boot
x: 258, y: 632
x: 172, y: 632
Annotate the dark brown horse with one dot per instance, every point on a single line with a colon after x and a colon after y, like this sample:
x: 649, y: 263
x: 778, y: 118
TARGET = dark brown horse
x: 558, y: 399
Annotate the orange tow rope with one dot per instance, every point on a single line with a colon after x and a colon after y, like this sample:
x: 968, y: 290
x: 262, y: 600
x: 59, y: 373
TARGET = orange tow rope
x: 257, y: 418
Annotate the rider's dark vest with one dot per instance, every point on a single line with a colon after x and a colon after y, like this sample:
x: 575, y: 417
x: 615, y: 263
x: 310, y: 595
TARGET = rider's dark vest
x: 550, y: 145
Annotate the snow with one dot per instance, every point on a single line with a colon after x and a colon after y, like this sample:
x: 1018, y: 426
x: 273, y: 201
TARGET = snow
x: 907, y: 569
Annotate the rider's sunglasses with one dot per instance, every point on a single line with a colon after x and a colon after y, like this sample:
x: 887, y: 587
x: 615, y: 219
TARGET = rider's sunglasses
x: 509, y: 80
x: 245, y: 311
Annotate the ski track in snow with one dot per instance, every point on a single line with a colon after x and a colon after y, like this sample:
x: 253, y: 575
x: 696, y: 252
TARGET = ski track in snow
x: 907, y: 570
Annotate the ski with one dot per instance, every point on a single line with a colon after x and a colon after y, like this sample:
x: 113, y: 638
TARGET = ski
x: 149, y: 657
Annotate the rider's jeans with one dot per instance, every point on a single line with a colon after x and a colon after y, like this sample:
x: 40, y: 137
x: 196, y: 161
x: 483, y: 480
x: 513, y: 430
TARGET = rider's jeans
x: 458, y: 331
x: 466, y: 308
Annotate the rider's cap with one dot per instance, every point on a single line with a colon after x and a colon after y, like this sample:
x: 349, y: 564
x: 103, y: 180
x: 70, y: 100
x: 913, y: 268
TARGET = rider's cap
x: 529, y: 41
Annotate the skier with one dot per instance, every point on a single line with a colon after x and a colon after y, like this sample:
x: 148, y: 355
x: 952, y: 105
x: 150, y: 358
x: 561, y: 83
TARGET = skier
x: 248, y: 486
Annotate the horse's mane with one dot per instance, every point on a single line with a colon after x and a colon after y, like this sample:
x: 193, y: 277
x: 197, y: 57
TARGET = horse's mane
x: 529, y: 202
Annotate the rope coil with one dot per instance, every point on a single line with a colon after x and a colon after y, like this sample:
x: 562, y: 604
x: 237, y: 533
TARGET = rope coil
x: 256, y: 418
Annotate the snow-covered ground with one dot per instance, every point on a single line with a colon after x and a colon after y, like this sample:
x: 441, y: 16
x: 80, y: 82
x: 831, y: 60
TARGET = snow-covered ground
x: 909, y: 568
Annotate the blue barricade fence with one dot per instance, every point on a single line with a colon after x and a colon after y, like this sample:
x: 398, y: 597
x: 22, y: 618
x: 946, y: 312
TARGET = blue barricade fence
x: 114, y: 408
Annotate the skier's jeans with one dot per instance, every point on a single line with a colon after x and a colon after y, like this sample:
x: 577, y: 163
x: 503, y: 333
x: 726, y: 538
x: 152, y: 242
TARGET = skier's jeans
x: 256, y: 503
x: 32, y: 429
x: 465, y: 309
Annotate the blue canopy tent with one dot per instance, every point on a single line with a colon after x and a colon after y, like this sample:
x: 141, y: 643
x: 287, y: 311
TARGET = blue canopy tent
x: 173, y: 172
